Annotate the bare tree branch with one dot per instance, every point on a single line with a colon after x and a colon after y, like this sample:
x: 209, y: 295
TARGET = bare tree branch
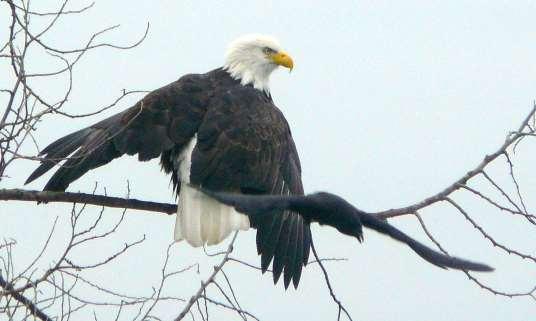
x: 340, y: 306
x: 32, y: 308
x: 83, y: 198
x: 458, y: 184
x: 200, y: 293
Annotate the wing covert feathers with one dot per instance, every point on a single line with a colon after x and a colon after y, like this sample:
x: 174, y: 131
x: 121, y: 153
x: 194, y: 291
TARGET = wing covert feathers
x: 164, y: 119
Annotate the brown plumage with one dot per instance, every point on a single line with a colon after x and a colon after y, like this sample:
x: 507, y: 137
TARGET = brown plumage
x: 332, y: 210
x: 244, y: 145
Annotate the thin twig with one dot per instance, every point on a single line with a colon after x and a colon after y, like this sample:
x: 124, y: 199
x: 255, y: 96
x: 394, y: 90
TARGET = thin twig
x: 208, y: 281
x: 340, y: 306
x: 463, y: 180
x: 32, y: 308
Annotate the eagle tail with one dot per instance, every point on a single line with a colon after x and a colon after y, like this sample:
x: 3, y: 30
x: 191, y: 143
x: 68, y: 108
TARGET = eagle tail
x: 203, y: 220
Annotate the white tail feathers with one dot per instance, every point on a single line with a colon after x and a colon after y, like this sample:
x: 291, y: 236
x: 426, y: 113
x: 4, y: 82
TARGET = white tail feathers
x: 203, y: 220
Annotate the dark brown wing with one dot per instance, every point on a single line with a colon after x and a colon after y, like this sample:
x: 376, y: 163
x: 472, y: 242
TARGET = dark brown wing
x: 244, y: 145
x: 164, y: 119
x: 332, y: 210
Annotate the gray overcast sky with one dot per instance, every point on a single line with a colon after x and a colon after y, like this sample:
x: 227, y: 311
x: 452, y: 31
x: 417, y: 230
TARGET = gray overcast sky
x: 390, y: 102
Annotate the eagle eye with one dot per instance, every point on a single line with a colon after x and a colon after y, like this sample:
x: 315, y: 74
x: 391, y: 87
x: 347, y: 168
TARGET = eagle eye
x: 268, y: 51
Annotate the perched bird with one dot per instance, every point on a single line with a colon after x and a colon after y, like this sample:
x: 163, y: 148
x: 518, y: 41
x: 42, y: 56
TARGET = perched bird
x: 219, y: 130
x: 332, y: 210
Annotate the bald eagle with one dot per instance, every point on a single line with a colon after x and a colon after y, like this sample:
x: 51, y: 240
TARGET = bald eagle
x: 219, y: 130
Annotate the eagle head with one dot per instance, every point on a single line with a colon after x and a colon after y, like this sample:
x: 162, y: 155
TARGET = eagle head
x: 252, y: 58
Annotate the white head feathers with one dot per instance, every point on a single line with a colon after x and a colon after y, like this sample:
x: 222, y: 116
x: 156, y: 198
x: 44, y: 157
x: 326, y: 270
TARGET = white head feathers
x: 250, y: 58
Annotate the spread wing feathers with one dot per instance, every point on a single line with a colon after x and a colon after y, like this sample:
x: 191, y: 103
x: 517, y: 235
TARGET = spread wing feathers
x: 283, y: 237
x: 267, y: 164
x: 329, y: 209
x: 290, y: 241
x: 164, y: 119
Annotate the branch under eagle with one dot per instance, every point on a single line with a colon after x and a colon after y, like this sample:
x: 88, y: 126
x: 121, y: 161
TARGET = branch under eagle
x: 323, y: 208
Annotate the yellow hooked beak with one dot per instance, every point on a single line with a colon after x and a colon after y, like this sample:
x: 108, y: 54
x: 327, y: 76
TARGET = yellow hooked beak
x: 282, y: 59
